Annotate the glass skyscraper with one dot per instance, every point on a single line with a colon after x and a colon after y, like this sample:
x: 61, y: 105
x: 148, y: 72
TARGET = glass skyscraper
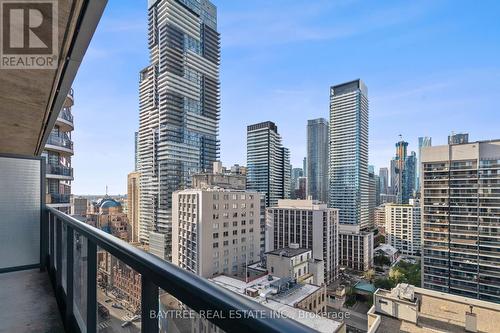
x: 179, y: 109
x: 268, y: 163
x: 349, y: 188
x: 423, y: 141
x: 317, y: 159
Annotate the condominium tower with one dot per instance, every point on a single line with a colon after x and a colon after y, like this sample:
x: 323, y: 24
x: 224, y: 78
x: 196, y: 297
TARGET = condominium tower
x: 461, y: 219
x: 57, y: 153
x: 133, y: 201
x: 349, y: 152
x: 317, y: 159
x: 179, y: 108
x: 268, y: 163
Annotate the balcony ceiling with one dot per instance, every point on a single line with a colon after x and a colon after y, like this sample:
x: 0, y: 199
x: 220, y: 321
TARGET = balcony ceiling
x: 30, y: 99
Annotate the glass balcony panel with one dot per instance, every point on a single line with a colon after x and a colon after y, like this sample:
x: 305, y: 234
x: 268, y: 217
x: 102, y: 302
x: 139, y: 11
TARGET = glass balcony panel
x: 80, y: 280
x: 118, y: 295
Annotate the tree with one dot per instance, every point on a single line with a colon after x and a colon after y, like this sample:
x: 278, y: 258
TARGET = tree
x: 384, y: 283
x: 396, y: 275
x: 369, y: 275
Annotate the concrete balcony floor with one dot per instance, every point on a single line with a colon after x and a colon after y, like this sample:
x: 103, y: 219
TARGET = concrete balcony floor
x: 27, y: 303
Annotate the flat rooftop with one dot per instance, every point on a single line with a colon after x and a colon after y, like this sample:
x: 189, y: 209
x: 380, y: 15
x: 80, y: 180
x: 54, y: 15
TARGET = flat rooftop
x: 288, y: 252
x: 310, y: 319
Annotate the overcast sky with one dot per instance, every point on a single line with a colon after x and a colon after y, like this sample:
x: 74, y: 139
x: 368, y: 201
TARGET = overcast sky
x: 431, y: 67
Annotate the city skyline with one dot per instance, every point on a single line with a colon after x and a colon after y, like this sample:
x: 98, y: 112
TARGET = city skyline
x: 412, y: 91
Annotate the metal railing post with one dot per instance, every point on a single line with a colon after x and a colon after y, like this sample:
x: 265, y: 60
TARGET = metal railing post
x: 149, y: 305
x: 91, y: 286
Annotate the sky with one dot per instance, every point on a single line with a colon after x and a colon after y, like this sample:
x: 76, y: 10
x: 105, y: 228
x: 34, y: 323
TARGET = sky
x: 431, y: 67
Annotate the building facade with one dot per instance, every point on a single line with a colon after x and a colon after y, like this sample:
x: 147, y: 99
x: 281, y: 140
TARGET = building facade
x: 349, y: 152
x: 423, y: 141
x: 355, y: 248
x: 216, y: 231
x: 403, y: 227
x: 461, y: 219
x: 268, y: 163
x: 133, y: 204
x: 311, y: 225
x: 458, y: 138
x: 57, y: 153
x: 383, y: 174
x: 317, y: 159
x: 179, y: 107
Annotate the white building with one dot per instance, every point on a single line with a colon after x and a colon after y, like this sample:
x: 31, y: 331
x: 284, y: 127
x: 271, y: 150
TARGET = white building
x: 296, y: 263
x: 403, y: 227
x: 309, y: 224
x: 215, y: 230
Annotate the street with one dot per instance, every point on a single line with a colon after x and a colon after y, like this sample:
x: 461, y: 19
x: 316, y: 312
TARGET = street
x: 116, y: 317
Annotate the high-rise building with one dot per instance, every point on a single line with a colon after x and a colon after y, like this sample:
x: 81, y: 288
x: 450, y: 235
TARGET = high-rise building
x: 383, y: 174
x: 373, y: 196
x: 304, y: 166
x: 403, y: 173
x: 301, y: 190
x: 461, y: 219
x: 311, y: 225
x: 220, y: 178
x: 57, y: 153
x: 133, y: 200
x: 294, y: 182
x: 424, y: 141
x: 403, y: 227
x: 136, y: 150
x: 349, y: 188
x: 458, y: 138
x: 215, y: 231
x: 317, y: 159
x: 179, y: 108
x: 268, y: 163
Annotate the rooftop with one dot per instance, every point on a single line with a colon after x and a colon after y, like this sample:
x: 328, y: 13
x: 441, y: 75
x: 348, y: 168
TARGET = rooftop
x: 280, y: 304
x: 288, y: 252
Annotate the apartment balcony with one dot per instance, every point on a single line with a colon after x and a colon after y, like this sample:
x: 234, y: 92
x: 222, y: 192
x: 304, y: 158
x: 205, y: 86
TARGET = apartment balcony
x: 57, y: 198
x: 58, y: 171
x: 60, y: 143
x: 65, y: 120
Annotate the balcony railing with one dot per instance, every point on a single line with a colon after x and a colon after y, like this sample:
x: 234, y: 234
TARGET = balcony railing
x: 63, y: 238
x: 59, y: 169
x: 66, y: 115
x: 57, y: 198
x: 61, y: 141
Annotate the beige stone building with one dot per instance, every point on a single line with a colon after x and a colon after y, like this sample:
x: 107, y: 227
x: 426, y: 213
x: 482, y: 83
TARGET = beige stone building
x: 215, y: 230
x: 133, y: 199
x: 311, y: 225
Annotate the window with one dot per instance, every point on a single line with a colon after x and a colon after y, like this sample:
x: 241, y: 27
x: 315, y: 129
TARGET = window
x: 226, y: 224
x: 235, y: 232
x: 216, y: 225
x: 243, y: 205
x: 235, y: 205
x: 216, y: 245
x: 225, y: 234
x: 215, y: 235
x: 235, y: 223
x: 242, y: 197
